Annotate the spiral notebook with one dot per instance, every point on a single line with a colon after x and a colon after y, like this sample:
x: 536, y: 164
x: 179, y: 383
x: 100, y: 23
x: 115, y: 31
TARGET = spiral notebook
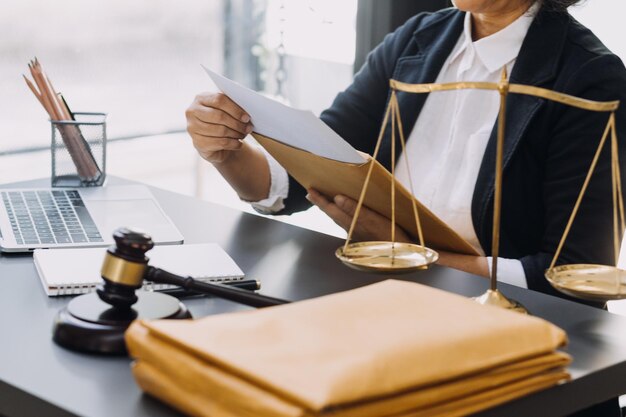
x: 77, y: 271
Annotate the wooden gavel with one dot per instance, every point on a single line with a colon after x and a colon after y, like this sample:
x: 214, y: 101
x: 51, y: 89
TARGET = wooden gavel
x: 125, y: 267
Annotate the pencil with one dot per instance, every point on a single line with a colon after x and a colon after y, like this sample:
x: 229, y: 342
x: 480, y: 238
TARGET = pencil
x: 44, y: 96
x: 89, y: 164
x: 86, y: 165
x: 64, y: 112
x: 55, y: 112
x: 34, y: 90
x: 57, y: 109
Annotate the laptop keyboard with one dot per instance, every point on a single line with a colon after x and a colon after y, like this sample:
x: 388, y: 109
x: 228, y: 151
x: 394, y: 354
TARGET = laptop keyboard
x: 49, y: 217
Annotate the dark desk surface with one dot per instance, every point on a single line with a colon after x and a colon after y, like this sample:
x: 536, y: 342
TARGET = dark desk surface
x: 37, y: 378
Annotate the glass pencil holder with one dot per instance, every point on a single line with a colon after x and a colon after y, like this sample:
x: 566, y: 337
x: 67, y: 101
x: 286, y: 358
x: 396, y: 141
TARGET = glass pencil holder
x: 79, y: 150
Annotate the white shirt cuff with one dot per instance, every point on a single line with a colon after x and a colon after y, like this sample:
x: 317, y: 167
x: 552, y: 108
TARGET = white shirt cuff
x: 279, y: 188
x: 510, y: 271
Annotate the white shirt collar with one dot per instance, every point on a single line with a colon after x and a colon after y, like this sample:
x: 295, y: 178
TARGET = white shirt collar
x: 497, y: 50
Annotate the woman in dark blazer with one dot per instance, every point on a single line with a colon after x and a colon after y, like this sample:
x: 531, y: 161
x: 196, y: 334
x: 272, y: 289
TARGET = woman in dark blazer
x: 548, y: 146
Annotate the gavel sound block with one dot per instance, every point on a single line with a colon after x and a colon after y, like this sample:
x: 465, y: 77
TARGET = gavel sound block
x: 96, y: 322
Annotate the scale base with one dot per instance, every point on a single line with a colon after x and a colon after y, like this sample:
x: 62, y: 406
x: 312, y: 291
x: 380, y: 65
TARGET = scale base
x: 497, y: 299
x: 90, y: 325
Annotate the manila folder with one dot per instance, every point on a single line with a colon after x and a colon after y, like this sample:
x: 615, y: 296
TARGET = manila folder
x: 332, y: 177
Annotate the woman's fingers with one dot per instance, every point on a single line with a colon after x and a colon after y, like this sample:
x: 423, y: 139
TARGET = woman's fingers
x: 213, y: 131
x: 223, y: 102
x: 213, y: 144
x: 216, y: 125
x: 370, y: 224
x: 367, y: 217
x: 330, y: 208
x: 213, y: 119
x: 346, y: 204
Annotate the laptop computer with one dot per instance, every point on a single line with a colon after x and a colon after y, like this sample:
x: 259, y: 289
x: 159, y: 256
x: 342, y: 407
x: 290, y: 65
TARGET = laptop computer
x: 84, y: 217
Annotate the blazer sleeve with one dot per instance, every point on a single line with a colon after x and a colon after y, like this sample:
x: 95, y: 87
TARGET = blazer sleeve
x: 356, y: 113
x: 574, y: 138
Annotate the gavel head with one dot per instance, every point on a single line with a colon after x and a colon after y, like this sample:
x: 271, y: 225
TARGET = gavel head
x: 124, y: 266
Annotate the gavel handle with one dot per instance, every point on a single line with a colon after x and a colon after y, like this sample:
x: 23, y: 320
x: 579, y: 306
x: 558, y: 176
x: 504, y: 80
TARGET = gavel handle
x: 229, y: 293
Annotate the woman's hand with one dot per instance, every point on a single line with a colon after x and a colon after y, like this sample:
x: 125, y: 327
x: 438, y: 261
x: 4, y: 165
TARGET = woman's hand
x: 370, y: 225
x: 216, y: 125
x: 373, y: 226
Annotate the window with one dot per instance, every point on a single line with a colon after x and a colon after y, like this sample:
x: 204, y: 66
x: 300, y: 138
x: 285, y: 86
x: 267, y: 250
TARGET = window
x: 605, y: 19
x: 138, y: 61
x: 305, y: 55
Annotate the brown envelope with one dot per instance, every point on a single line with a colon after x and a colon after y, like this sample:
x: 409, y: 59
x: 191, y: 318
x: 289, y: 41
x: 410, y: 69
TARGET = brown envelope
x: 394, y: 345
x: 332, y: 177
x: 200, y: 397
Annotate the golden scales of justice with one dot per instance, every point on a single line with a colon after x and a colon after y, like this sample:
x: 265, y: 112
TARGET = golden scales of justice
x: 586, y: 281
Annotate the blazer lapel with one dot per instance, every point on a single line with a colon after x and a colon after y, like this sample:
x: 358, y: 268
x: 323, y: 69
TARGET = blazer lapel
x: 536, y: 65
x: 433, y: 44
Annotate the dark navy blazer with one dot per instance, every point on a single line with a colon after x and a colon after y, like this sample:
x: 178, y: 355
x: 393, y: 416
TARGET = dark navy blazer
x: 548, y: 146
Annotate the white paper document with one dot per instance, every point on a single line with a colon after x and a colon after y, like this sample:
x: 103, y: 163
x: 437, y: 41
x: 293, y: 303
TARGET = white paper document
x: 297, y: 128
x: 77, y: 271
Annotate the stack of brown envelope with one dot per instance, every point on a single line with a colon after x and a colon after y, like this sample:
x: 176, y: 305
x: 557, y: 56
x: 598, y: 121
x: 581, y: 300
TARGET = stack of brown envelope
x: 390, y: 349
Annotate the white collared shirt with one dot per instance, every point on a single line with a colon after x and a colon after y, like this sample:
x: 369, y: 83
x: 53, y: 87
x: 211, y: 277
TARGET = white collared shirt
x: 446, y: 146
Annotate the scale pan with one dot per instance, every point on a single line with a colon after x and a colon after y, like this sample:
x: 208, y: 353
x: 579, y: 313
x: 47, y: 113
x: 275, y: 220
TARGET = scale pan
x: 588, y: 281
x: 386, y: 256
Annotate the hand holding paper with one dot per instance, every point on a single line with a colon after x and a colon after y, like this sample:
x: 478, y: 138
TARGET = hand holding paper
x: 318, y: 158
x: 216, y: 125
x: 297, y: 128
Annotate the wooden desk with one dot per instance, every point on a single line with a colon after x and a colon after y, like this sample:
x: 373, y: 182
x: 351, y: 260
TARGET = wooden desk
x: 38, y: 378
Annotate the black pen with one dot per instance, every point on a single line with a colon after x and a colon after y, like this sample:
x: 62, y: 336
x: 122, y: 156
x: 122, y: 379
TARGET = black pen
x: 246, y: 284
